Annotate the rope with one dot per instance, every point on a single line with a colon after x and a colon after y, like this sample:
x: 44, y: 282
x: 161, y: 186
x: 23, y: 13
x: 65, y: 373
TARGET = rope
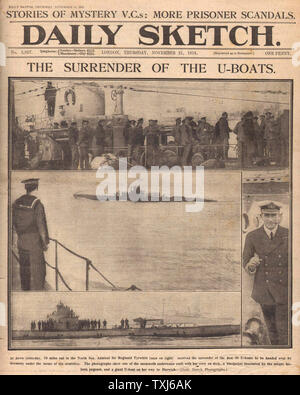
x: 72, y: 252
x: 60, y: 275
x: 206, y: 96
x: 79, y: 256
x: 176, y: 93
x: 90, y: 263
x: 86, y: 259
x: 52, y: 267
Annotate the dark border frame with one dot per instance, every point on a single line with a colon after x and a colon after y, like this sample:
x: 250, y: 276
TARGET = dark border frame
x: 10, y: 170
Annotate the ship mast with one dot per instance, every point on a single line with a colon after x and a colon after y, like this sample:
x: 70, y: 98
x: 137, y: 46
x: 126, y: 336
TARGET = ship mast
x: 117, y: 97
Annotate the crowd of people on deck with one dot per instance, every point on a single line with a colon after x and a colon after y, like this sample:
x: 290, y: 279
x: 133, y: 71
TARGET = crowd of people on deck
x: 264, y: 139
x: 52, y: 325
x: 260, y: 140
x: 84, y: 324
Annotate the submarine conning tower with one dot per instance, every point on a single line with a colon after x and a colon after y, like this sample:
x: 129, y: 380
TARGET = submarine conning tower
x: 78, y: 101
x: 87, y: 101
x: 64, y: 318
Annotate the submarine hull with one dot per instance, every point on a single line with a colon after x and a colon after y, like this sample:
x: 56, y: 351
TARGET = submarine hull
x: 195, y: 331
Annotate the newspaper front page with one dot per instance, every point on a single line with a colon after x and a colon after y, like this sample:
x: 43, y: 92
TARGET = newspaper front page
x: 149, y: 188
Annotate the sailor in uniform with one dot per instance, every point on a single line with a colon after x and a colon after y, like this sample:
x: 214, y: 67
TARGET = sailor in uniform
x: 29, y: 222
x: 265, y: 256
x: 151, y: 133
x: 186, y: 135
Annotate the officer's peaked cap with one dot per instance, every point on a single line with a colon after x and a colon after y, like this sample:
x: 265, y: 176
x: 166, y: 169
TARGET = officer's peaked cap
x: 31, y: 181
x: 270, y: 207
x: 249, y: 114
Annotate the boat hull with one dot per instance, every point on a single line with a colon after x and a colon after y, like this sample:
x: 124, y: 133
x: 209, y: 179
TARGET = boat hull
x: 199, y: 331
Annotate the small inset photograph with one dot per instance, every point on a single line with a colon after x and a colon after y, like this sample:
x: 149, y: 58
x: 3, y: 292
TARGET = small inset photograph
x: 266, y: 281
x: 125, y: 320
x: 63, y: 238
x: 78, y: 124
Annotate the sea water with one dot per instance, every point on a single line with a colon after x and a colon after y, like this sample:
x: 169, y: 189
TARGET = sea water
x: 154, y: 246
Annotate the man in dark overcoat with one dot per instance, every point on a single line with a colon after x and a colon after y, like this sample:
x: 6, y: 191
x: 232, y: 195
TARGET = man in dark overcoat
x: 265, y: 256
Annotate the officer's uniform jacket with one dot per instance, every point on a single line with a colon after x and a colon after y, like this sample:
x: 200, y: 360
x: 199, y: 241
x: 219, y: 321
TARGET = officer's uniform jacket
x: 85, y: 137
x: 186, y: 134
x: 224, y: 129
x: 284, y: 126
x: 271, y: 277
x: 152, y: 134
x: 73, y: 136
x: 177, y: 133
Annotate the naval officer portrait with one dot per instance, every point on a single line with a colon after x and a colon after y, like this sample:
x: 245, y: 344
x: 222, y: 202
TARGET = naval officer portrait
x: 29, y: 222
x: 265, y: 257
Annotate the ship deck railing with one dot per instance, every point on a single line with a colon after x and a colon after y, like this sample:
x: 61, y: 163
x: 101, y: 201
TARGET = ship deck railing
x: 88, y: 266
x: 58, y: 275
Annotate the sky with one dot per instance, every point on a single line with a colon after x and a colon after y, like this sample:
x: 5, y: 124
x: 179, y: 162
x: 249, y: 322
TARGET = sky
x: 198, y: 98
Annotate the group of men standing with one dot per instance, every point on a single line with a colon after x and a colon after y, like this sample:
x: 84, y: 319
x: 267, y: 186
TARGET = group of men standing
x: 260, y: 140
x: 43, y: 326
x: 188, y: 133
x: 85, y: 141
x: 124, y: 323
x: 91, y: 324
x: 263, y: 140
x: 51, y: 325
